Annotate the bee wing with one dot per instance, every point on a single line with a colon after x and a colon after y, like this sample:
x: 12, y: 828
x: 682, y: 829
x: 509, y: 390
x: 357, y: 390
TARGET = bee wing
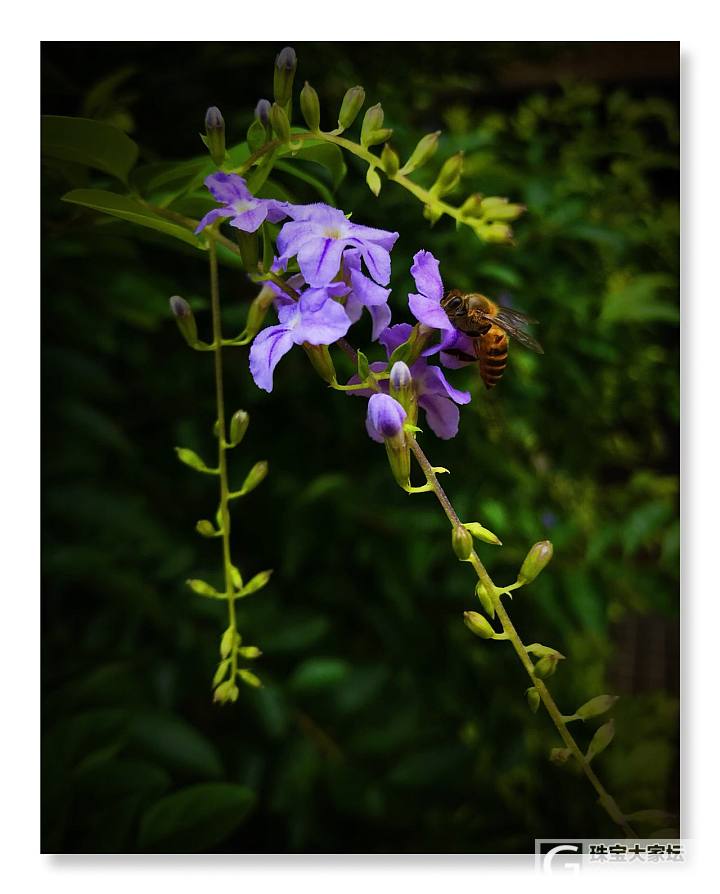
x: 510, y: 324
x: 515, y: 316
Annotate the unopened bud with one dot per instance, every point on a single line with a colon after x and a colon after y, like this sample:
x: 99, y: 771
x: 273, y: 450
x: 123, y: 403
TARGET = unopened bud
x: 559, y: 756
x: 310, y: 106
x: 238, y: 426
x: 497, y: 232
x: 321, y: 360
x: 256, y: 135
x: 546, y: 667
x: 423, y: 152
x: 226, y: 692
x: 402, y: 389
x: 255, y: 476
x: 472, y: 206
x: 533, y: 699
x: 215, y: 134
x: 498, y: 208
x: 486, y: 599
x: 250, y: 678
x: 258, y: 311
x: 372, y: 121
x: 449, y: 175
x: 285, y: 66
x: 228, y: 641
x: 249, y: 652
x: 538, y: 557
x: 390, y: 160
x: 184, y: 318
x: 351, y: 105
x: 262, y: 111
x: 400, y: 376
x: 205, y: 528
x: 462, y: 542
x: 280, y: 123
x: 478, y: 624
x: 480, y: 533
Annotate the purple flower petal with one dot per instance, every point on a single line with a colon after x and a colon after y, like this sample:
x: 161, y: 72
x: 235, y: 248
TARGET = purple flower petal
x: 385, y: 417
x: 276, y: 211
x: 369, y: 292
x: 227, y: 188
x: 428, y: 311
x: 251, y: 219
x: 384, y: 238
x: 291, y: 238
x: 319, y: 260
x: 442, y: 415
x: 377, y: 260
x: 322, y: 326
x: 318, y: 212
x: 434, y: 382
x: 380, y: 316
x: 426, y: 273
x: 212, y: 216
x: 269, y: 346
x: 395, y: 336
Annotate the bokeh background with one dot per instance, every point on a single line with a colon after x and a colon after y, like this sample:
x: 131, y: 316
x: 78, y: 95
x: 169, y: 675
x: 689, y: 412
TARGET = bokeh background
x: 384, y: 726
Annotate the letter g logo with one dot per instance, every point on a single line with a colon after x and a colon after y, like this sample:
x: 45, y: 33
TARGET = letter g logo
x: 572, y: 865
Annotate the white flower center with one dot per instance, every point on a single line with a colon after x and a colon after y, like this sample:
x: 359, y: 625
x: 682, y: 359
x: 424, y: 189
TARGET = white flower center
x: 241, y: 205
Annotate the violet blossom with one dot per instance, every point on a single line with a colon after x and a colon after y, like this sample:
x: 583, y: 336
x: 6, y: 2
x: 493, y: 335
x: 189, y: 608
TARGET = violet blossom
x: 385, y: 418
x: 242, y: 208
x: 365, y: 293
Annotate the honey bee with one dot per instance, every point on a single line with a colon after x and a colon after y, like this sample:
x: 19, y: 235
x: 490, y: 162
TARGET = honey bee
x: 489, y: 325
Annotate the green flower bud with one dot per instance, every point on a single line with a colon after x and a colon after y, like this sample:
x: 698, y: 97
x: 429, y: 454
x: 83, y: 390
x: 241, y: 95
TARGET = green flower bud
x: 250, y: 678
x: 285, y: 67
x: 600, y: 741
x: 533, y: 698
x: 184, y: 318
x: 258, y: 311
x: 422, y: 153
x: 249, y: 652
x: 205, y: 528
x: 449, y: 175
x: 255, y: 476
x: 221, y: 671
x: 280, y: 123
x: 559, y: 756
x: 546, y: 666
x: 596, y: 706
x: 238, y: 426
x: 389, y: 160
x: 215, y: 135
x: 203, y: 589
x: 226, y: 692
x: 375, y: 137
x: 480, y: 533
x: 228, y: 641
x: 462, y: 542
x: 256, y: 135
x: 478, y: 624
x: 372, y: 121
x: 538, y: 557
x: 497, y: 208
x: 351, y: 105
x: 486, y: 599
x: 321, y: 360
x: 472, y: 206
x: 262, y: 112
x: 372, y: 178
x: 310, y: 107
x: 496, y: 232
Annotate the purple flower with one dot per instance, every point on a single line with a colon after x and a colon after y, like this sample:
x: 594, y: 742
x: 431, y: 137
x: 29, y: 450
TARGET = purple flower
x: 385, y: 418
x: 241, y: 207
x: 426, y: 308
x: 316, y: 319
x: 365, y: 293
x: 319, y: 234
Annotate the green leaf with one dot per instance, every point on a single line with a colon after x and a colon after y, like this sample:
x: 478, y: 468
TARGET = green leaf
x: 174, y: 744
x: 299, y: 172
x: 641, y: 298
x: 167, y: 177
x: 195, y: 819
x: 256, y: 583
x: 128, y: 209
x: 319, y: 673
x: 88, y: 142
x: 325, y: 154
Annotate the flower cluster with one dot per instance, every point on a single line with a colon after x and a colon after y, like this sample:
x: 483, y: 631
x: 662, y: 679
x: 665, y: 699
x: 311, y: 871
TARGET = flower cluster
x: 343, y: 268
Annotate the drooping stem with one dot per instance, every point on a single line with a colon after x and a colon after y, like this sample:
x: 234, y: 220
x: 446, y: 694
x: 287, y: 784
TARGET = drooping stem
x: 605, y: 799
x: 222, y: 445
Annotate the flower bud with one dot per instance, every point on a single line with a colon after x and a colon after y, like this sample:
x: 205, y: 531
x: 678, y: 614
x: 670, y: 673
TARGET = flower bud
x: 262, y: 112
x: 351, y: 105
x: 215, y: 134
x: 372, y: 121
x: 596, y: 706
x: 285, y: 66
x: 533, y: 699
x: 600, y: 741
x: 389, y: 160
x: 462, y: 542
x: 480, y: 533
x: 280, y: 123
x: 472, y: 206
x: 538, y: 557
x: 494, y: 232
x: 478, y: 624
x: 559, y: 756
x: 486, y: 599
x: 310, y: 107
x: 184, y: 318
x: 449, y: 175
x: 546, y: 667
x: 250, y: 678
x: 238, y: 426
x: 321, y: 360
x: 258, y: 311
x: 498, y: 208
x: 423, y: 152
x: 205, y: 528
x: 226, y: 692
x: 255, y: 476
x: 228, y: 641
x: 384, y: 422
x: 249, y: 652
x: 257, y: 135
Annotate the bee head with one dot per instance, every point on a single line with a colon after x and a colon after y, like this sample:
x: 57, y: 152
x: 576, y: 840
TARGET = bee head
x: 453, y: 305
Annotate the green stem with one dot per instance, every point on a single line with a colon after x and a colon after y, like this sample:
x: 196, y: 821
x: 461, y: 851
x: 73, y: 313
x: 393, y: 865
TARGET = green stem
x: 222, y: 444
x: 606, y: 800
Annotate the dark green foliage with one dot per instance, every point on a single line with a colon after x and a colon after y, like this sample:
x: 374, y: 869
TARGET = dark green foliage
x: 383, y: 725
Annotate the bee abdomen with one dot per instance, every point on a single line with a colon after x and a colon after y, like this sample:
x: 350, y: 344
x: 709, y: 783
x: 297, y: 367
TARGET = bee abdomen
x: 493, y: 357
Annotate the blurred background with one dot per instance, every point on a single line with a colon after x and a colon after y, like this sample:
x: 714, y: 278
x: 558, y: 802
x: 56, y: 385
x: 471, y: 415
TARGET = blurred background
x: 383, y: 726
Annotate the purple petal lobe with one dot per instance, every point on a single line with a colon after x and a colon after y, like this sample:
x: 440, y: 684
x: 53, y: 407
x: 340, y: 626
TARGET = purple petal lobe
x: 380, y: 316
x: 434, y: 382
x: 319, y: 260
x: 369, y: 292
x: 212, y: 216
x: 227, y: 188
x: 291, y: 238
x: 428, y: 311
x: 394, y: 336
x: 384, y: 238
x: 377, y: 260
x: 442, y: 415
x: 269, y: 346
x: 322, y: 326
x: 250, y: 220
x: 426, y: 273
